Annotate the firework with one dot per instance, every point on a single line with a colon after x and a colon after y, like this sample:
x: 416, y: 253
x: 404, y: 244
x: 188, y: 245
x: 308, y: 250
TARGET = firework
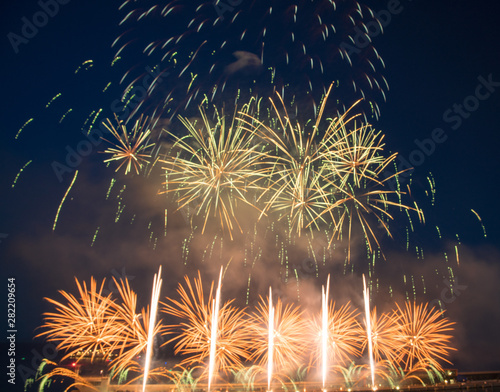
x: 288, y: 343
x: 328, y: 174
x: 194, y: 331
x: 395, y: 376
x: 214, y: 168
x: 134, y: 329
x: 84, y: 325
x: 343, y: 336
x: 131, y: 148
x: 49, y: 373
x: 385, y: 330
x: 424, y: 336
x: 298, y: 187
x: 222, y: 51
x: 408, y: 343
x: 100, y: 326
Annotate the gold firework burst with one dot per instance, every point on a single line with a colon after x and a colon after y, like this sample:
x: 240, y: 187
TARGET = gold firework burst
x: 130, y: 147
x: 214, y: 168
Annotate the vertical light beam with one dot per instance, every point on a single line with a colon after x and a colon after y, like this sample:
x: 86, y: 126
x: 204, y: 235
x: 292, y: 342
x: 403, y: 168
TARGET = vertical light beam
x: 213, y: 331
x: 152, y: 320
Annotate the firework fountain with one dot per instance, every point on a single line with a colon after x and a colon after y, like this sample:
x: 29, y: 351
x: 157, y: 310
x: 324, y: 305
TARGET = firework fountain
x: 270, y: 347
x: 152, y: 319
x: 213, y: 332
x: 324, y: 329
x: 366, y: 296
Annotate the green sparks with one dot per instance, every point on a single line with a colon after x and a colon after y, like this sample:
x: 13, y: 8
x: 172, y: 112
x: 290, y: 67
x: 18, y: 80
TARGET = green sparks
x: 19, y: 173
x: 63, y: 199
x: 52, y: 100
x: 480, y: 221
x: 65, y: 114
x: 22, y: 128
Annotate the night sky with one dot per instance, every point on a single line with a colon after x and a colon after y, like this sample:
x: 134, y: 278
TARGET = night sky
x: 436, y: 54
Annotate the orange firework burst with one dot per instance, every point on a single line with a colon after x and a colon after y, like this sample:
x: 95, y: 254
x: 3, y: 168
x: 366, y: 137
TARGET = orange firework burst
x: 131, y: 147
x: 193, y: 333
x: 289, y: 344
x: 344, y: 336
x: 385, y: 331
x: 423, y: 336
x: 84, y: 325
x: 97, y: 325
x: 133, y: 334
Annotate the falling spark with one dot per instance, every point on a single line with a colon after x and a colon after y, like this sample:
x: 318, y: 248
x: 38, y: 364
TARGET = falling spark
x: 62, y: 201
x: 19, y: 173
x: 21, y: 129
x: 480, y: 221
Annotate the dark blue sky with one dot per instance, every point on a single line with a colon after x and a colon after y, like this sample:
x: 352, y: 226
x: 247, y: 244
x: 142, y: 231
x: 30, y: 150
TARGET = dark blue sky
x: 436, y: 55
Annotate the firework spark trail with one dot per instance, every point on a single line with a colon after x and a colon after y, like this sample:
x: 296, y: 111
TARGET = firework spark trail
x: 19, y: 173
x: 368, y: 323
x: 21, y: 129
x: 214, y: 332
x: 298, y: 50
x: 480, y: 221
x: 131, y: 148
x: 157, y: 281
x: 63, y: 199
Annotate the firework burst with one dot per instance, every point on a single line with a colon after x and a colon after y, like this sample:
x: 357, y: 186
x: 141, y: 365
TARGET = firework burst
x: 85, y: 324
x: 130, y: 147
x: 194, y: 331
x: 134, y: 326
x: 344, y: 336
x: 214, y: 168
x: 424, y: 336
x: 289, y: 345
x: 328, y: 173
x: 99, y: 326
